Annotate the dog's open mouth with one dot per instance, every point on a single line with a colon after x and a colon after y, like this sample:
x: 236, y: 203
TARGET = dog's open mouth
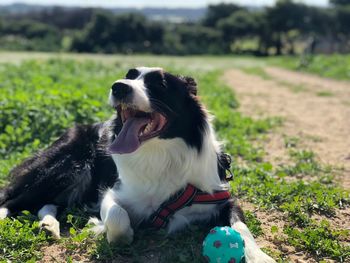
x: 138, y: 126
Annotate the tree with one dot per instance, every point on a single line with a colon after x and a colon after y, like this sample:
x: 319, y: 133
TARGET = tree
x: 217, y: 12
x: 343, y: 20
x: 60, y: 17
x: 238, y: 25
x: 125, y: 33
x: 184, y: 39
x: 285, y: 20
x: 340, y: 2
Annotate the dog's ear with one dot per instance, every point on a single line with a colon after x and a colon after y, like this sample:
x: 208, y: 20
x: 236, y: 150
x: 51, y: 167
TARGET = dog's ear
x: 191, y: 85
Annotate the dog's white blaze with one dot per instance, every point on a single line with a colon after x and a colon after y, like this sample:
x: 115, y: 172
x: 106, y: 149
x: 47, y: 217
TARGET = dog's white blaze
x: 3, y: 212
x: 144, y: 70
x: 139, y: 95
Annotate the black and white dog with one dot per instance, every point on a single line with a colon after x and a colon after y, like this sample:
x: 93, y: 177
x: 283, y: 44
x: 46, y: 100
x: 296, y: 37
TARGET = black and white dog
x: 157, y: 164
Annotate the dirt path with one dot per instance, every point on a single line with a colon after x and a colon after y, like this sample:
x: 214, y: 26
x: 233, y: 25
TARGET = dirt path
x: 315, y: 110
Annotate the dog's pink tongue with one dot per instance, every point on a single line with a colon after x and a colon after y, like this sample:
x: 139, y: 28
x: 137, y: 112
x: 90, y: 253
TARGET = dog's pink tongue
x: 127, y: 140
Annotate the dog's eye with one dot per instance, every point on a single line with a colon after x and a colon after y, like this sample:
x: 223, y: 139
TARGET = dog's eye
x: 132, y: 74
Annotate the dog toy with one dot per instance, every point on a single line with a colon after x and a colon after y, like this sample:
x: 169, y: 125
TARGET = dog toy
x: 223, y: 245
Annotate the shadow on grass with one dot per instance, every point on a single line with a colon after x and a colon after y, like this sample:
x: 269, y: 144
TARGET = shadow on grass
x: 155, y: 246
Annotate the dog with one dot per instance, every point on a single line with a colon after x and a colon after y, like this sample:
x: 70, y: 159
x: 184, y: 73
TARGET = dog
x: 158, y: 160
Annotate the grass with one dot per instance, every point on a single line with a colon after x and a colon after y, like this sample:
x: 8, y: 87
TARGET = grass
x: 330, y: 66
x: 296, y: 88
x: 304, y: 163
x: 259, y: 71
x: 319, y: 237
x: 253, y: 223
x: 40, y: 99
x: 325, y: 94
x: 20, y: 239
x: 291, y: 141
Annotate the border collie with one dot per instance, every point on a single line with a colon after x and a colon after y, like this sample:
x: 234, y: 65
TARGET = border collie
x: 157, y: 163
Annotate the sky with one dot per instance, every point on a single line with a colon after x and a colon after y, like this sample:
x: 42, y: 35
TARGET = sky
x: 153, y: 3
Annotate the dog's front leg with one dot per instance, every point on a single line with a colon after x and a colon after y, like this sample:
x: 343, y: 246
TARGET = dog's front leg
x: 4, y: 212
x: 47, y: 215
x: 115, y: 218
x: 253, y: 254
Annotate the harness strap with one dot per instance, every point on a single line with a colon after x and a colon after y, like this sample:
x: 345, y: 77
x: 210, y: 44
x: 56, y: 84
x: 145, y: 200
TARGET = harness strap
x: 217, y: 197
x: 186, y: 197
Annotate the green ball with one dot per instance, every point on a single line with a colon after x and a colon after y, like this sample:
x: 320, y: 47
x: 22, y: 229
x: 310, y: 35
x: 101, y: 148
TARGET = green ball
x: 223, y: 245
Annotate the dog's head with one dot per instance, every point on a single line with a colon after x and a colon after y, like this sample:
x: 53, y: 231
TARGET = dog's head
x: 153, y: 103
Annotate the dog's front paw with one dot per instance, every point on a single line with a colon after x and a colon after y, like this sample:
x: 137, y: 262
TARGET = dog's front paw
x: 51, y: 225
x: 117, y: 224
x: 127, y: 236
x: 3, y: 212
x: 258, y: 256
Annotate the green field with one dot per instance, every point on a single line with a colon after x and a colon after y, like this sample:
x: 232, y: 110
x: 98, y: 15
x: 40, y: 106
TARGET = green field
x: 330, y: 66
x: 43, y: 96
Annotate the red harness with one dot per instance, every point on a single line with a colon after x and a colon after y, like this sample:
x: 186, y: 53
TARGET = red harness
x: 186, y: 197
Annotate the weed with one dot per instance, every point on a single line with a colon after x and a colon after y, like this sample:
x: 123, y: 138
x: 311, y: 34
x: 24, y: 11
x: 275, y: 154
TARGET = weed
x: 253, y: 223
x: 321, y: 239
x: 314, y: 138
x: 325, y: 94
x: 304, y: 164
x: 296, y: 88
x: 258, y: 71
x: 291, y: 142
x: 21, y: 239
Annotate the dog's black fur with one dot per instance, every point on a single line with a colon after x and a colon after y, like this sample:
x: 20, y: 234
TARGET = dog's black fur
x: 69, y: 173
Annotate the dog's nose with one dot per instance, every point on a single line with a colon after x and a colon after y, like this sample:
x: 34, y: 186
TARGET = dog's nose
x: 120, y: 90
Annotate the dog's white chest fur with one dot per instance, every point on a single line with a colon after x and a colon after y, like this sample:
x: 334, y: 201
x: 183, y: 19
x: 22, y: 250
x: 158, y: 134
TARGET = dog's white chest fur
x: 159, y: 169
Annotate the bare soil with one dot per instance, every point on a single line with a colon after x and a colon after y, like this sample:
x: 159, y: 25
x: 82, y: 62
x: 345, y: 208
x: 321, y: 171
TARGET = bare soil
x: 314, y: 109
